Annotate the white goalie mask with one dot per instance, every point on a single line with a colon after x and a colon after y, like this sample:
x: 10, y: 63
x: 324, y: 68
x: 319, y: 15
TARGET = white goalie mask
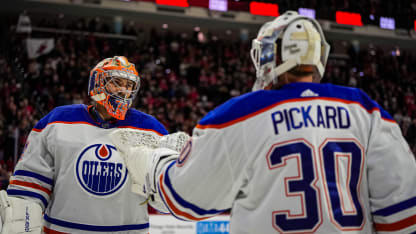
x: 286, y: 42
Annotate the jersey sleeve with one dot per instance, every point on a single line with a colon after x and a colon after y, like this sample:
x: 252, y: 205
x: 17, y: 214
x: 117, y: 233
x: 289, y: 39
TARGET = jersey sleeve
x: 33, y: 175
x: 391, y: 177
x: 204, y: 181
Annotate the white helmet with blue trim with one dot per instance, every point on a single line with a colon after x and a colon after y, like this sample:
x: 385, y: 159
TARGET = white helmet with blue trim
x: 285, y: 43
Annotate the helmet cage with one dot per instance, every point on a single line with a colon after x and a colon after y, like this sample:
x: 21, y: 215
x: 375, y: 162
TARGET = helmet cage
x: 264, y: 56
x: 117, y: 107
x: 111, y: 76
x: 116, y: 104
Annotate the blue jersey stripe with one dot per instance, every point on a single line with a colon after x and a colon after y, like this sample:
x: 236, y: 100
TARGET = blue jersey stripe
x: 67, y: 114
x: 87, y: 227
x: 164, y: 202
x: 33, y: 175
x: 78, y: 114
x: 396, y: 207
x: 184, y: 203
x: 16, y: 192
x: 244, y: 105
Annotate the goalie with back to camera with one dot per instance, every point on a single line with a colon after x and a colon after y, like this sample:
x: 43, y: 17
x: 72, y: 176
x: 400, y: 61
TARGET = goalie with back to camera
x: 302, y: 157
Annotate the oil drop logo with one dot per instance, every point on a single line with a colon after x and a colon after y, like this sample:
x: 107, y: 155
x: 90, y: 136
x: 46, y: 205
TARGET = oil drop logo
x: 100, y: 171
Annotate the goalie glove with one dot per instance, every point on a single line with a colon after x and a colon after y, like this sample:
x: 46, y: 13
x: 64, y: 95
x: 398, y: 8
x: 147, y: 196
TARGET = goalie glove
x: 145, y: 154
x: 125, y: 139
x: 175, y: 141
x: 19, y: 215
x: 144, y: 165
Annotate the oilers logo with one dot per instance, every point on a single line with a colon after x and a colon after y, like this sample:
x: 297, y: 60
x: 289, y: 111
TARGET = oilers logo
x: 99, y: 171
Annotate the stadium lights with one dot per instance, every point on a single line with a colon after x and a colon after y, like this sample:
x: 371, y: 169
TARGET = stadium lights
x: 307, y: 12
x: 179, y: 3
x: 266, y: 9
x: 371, y: 16
x: 218, y: 5
x: 387, y: 23
x: 348, y: 18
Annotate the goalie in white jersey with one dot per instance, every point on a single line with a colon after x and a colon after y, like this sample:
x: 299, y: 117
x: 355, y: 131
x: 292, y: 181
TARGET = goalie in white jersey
x: 302, y: 157
x: 72, y: 172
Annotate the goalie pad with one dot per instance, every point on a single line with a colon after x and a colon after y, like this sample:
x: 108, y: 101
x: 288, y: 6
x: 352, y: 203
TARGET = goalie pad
x: 19, y: 215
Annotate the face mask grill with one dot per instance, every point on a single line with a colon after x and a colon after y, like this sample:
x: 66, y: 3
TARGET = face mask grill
x: 121, y: 85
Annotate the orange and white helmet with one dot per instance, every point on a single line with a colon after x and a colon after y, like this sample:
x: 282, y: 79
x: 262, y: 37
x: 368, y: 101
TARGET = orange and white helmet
x: 111, y: 74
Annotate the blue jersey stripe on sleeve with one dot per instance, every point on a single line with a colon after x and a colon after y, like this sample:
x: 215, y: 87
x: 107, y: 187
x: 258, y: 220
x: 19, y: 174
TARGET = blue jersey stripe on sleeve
x: 16, y: 192
x: 184, y: 203
x: 87, y: 227
x: 33, y: 175
x: 396, y: 207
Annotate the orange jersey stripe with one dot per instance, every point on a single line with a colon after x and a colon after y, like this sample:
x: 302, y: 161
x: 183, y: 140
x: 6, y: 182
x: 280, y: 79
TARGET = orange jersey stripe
x: 50, y: 231
x: 172, y: 206
x: 402, y: 224
x: 223, y: 125
x: 31, y: 185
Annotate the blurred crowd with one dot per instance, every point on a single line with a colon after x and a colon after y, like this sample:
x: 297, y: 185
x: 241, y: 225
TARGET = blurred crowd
x: 182, y: 79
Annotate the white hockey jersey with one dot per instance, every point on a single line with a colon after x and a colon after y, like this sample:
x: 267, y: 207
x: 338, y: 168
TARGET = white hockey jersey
x: 71, y: 168
x: 307, y: 158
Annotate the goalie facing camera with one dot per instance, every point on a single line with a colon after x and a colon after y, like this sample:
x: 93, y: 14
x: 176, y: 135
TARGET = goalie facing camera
x: 114, y: 83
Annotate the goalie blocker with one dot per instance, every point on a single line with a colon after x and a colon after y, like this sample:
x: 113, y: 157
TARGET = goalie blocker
x: 146, y: 163
x: 19, y: 215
